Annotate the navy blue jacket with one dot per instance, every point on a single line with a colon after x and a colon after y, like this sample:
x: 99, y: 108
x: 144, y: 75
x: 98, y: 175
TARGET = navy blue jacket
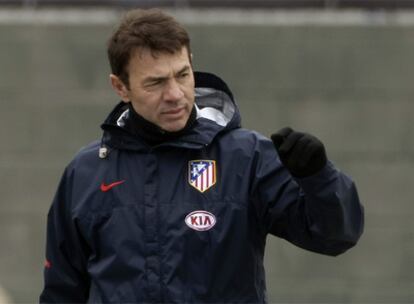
x: 186, y: 221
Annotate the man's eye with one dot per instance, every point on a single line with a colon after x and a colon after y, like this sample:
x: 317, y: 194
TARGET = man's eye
x: 153, y: 83
x: 183, y: 75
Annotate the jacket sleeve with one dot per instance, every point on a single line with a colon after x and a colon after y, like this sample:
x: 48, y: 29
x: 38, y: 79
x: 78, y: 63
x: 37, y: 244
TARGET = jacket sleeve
x: 321, y: 213
x: 65, y: 276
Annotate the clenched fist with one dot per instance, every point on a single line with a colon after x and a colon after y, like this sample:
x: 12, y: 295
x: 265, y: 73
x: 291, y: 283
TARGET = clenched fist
x: 301, y: 153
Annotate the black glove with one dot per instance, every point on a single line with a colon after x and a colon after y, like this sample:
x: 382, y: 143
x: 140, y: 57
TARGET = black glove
x: 301, y: 153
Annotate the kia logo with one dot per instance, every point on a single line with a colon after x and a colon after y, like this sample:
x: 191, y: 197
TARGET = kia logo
x: 200, y: 220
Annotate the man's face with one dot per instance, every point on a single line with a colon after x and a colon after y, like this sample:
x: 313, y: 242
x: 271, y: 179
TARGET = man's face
x: 161, y: 88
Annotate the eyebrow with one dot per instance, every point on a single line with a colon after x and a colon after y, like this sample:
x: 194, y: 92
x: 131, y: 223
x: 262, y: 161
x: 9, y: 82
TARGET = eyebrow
x: 162, y: 78
x: 184, y: 69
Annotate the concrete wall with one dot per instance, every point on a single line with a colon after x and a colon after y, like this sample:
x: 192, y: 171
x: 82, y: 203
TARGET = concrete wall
x: 351, y: 86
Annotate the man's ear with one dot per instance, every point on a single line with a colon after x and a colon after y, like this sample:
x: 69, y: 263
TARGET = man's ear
x: 119, y: 87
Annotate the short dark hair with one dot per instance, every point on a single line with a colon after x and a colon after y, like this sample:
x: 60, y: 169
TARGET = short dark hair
x: 144, y: 28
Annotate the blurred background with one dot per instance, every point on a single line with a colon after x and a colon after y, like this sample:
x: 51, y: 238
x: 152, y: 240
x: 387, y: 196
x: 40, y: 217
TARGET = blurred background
x: 340, y: 69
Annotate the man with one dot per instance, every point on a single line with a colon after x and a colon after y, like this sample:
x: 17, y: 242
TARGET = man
x: 175, y: 203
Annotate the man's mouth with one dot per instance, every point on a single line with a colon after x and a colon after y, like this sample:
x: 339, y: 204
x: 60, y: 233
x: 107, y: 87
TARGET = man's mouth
x: 175, y: 111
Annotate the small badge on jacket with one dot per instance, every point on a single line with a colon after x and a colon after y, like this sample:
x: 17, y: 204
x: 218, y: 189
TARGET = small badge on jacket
x: 200, y: 220
x: 202, y: 174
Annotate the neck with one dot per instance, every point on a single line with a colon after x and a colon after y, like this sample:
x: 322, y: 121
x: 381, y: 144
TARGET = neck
x: 152, y: 133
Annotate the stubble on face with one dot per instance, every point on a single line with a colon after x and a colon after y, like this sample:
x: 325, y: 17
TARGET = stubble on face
x: 162, y: 87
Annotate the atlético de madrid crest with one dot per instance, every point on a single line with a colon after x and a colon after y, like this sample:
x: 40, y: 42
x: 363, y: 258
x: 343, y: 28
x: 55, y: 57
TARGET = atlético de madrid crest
x: 202, y: 174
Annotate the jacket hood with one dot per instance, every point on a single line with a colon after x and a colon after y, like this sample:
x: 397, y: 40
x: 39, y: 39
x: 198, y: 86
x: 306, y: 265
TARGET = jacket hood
x: 216, y: 110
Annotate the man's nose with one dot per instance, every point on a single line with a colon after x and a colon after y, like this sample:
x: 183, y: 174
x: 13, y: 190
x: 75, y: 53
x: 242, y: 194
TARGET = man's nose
x: 173, y: 91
